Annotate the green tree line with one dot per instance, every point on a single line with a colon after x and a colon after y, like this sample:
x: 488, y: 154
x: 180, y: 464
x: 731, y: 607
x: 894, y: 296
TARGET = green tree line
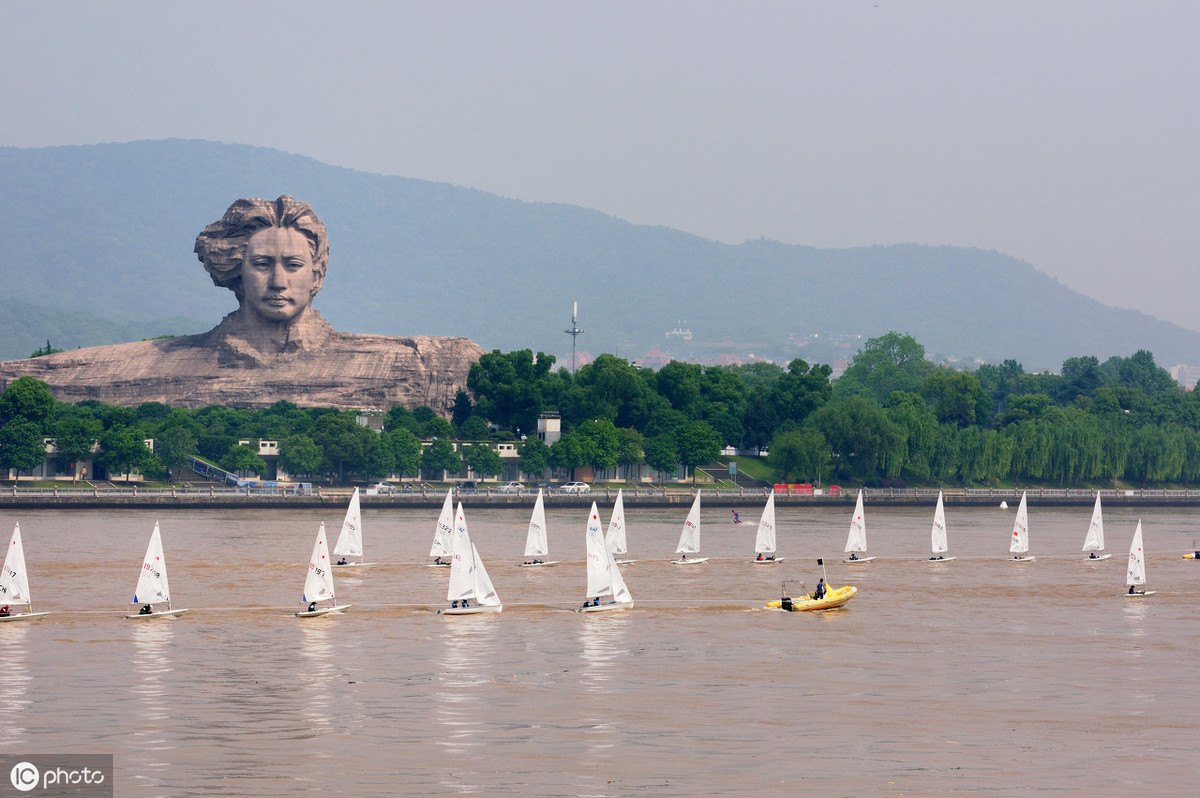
x: 891, y: 418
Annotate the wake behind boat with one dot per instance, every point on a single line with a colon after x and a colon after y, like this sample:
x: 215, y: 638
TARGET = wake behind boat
x: 689, y: 538
x: 764, y: 539
x: 856, y: 541
x: 349, y: 546
x: 318, y: 584
x: 536, y: 543
x: 152, y: 587
x: 14, y: 582
x: 606, y: 589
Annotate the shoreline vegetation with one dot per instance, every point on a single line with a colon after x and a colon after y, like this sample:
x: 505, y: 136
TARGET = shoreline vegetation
x: 891, y: 421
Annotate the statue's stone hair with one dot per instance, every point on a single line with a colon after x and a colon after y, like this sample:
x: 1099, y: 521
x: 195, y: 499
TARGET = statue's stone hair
x: 221, y: 247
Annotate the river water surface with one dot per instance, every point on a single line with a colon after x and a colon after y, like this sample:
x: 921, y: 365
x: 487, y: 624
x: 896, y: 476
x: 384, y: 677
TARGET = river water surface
x: 968, y: 677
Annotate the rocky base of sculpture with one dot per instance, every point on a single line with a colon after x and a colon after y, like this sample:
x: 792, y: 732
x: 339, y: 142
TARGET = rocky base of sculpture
x: 347, y: 372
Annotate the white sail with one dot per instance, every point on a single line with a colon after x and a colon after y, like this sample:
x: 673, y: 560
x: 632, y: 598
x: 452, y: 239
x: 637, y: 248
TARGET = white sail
x: 857, y: 539
x: 536, y: 544
x: 318, y: 585
x: 689, y: 538
x: 764, y: 541
x: 1135, y: 574
x: 444, y: 531
x: 462, y: 565
x: 349, y: 542
x: 620, y: 590
x: 1020, y: 534
x: 14, y: 581
x: 599, y: 576
x: 615, y: 539
x: 940, y: 544
x: 485, y: 593
x: 1095, y: 534
x: 152, y: 587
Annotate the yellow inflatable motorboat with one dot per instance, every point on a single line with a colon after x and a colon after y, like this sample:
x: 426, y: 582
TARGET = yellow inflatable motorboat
x: 834, y: 597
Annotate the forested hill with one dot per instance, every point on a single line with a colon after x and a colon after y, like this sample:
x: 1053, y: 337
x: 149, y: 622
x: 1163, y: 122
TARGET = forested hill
x: 106, y: 232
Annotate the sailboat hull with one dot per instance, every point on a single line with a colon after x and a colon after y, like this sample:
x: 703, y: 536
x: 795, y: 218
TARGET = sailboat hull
x: 940, y: 559
x: 857, y: 560
x: 476, y: 610
x: 624, y: 605
x: 1022, y: 559
x: 694, y: 561
x: 1097, y: 559
x: 23, y: 616
x: 835, y: 598
x: 538, y: 564
x: 137, y: 616
x: 771, y: 561
x: 1139, y: 595
x: 624, y: 562
x: 437, y: 565
x: 356, y: 565
x: 322, y: 611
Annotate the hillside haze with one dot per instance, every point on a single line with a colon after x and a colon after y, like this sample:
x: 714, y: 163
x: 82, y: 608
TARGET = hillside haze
x: 104, y: 233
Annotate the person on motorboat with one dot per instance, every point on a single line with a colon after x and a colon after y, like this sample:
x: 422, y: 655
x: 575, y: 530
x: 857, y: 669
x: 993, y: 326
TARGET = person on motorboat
x: 819, y: 593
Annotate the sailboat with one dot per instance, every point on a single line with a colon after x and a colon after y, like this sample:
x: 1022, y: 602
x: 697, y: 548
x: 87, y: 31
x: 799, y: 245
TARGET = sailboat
x: 615, y: 538
x: 536, y: 544
x: 1020, y: 535
x: 1094, y: 542
x: 468, y: 578
x: 764, y: 540
x: 443, y: 533
x: 349, y: 543
x: 14, y: 582
x: 939, y: 543
x: 689, y: 538
x: 856, y: 541
x: 606, y: 590
x: 152, y: 585
x: 318, y: 584
x: 1135, y: 574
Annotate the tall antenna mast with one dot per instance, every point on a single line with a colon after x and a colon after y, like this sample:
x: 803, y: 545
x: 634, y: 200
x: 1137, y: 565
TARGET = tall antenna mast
x: 574, y: 332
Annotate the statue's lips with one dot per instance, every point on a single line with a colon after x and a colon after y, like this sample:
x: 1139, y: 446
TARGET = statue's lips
x: 277, y: 300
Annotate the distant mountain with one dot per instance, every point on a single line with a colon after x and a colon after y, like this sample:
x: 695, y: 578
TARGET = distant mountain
x: 107, y: 230
x: 25, y: 328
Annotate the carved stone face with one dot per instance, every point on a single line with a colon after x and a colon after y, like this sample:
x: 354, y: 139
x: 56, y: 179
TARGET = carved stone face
x: 278, y: 279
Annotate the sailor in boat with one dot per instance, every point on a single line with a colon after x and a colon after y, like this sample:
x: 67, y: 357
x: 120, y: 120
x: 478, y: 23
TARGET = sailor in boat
x: 5, y: 611
x: 1134, y: 591
x: 145, y: 610
x: 1092, y: 555
x: 939, y: 557
x: 438, y: 561
x: 853, y: 556
x: 312, y: 606
x: 819, y: 593
x: 682, y: 557
x: 342, y: 561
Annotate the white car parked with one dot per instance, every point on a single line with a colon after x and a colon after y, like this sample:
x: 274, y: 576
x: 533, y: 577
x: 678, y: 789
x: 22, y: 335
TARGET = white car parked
x: 575, y: 487
x: 512, y: 487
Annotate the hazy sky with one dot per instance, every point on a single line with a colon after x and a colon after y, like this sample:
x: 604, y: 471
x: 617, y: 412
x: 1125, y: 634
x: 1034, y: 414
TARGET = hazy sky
x: 1064, y: 133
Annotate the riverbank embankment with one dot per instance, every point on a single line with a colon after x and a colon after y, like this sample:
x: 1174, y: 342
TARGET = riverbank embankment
x: 216, y: 497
